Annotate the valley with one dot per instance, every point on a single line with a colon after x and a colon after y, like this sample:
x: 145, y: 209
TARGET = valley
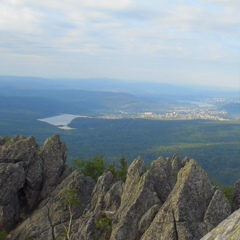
x: 203, y: 125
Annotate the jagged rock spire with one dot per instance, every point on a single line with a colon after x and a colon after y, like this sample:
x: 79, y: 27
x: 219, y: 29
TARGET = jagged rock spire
x: 151, y: 204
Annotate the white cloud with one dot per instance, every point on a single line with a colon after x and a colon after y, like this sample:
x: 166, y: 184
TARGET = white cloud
x: 205, y: 30
x: 20, y: 20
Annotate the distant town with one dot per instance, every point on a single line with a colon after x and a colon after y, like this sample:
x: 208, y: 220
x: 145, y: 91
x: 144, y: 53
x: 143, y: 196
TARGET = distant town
x: 188, y: 110
x: 219, y: 109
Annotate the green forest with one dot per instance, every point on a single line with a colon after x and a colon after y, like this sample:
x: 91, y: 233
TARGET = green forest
x: 215, y: 145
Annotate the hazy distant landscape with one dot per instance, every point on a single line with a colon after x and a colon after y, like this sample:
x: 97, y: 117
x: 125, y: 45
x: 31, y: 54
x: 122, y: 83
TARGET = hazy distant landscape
x: 116, y: 118
x: 145, y: 92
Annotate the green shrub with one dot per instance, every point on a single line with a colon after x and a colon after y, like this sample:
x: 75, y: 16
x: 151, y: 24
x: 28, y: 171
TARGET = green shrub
x: 3, y: 235
x: 93, y: 168
x: 103, y: 228
x: 119, y: 172
x: 96, y: 167
x: 228, y: 191
x: 175, y: 174
x: 122, y: 169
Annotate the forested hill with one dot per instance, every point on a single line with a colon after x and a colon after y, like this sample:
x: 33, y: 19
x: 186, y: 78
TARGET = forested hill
x: 215, y: 145
x: 116, y: 118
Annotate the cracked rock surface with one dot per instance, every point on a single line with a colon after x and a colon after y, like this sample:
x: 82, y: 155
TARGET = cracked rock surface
x: 169, y: 200
x: 227, y: 229
x: 48, y: 221
x: 183, y: 215
x: 28, y: 174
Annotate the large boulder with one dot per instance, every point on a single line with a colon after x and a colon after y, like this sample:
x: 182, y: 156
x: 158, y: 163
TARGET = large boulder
x: 11, y: 181
x: 186, y: 213
x: 51, y: 218
x: 24, y: 152
x: 21, y: 162
x: 217, y: 210
x: 28, y: 175
x: 53, y: 154
x: 227, y: 229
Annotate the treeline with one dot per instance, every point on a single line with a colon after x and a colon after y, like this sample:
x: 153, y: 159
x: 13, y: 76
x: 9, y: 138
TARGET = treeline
x: 214, y: 145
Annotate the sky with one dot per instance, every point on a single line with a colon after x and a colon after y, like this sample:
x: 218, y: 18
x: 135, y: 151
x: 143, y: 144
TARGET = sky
x: 177, y: 42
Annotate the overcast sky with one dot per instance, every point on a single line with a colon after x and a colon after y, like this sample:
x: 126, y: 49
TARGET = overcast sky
x: 196, y: 42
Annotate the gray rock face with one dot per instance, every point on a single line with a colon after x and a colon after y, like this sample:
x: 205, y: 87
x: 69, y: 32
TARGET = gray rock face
x: 48, y: 221
x: 218, y: 210
x: 3, y: 140
x: 11, y: 181
x: 162, y: 177
x: 21, y: 156
x: 185, y: 161
x: 147, y: 218
x: 27, y: 169
x: 182, y: 215
x: 112, y: 198
x: 236, y: 196
x: 99, y: 192
x: 35, y: 186
x: 176, y: 163
x: 135, y: 205
x: 137, y: 198
x: 106, y: 198
x: 53, y: 154
x: 227, y: 229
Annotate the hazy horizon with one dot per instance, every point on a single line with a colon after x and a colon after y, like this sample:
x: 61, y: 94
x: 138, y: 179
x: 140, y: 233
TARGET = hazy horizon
x: 187, y: 42
x: 113, y: 82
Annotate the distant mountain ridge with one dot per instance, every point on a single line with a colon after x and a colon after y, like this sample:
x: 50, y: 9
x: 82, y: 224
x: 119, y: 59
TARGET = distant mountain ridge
x: 81, y: 95
x: 68, y: 101
x: 113, y: 85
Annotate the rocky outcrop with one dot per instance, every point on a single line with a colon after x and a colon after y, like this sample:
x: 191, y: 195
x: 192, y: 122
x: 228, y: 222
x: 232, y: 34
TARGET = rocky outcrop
x: 21, y: 168
x: 11, y: 181
x: 170, y: 200
x: 236, y: 196
x: 3, y: 140
x: 162, y: 177
x: 185, y: 161
x: 176, y: 163
x: 105, y: 200
x: 137, y: 198
x: 53, y: 155
x: 217, y: 210
x: 227, y: 229
x: 52, y: 216
x: 28, y: 174
x: 147, y: 218
x: 185, y: 214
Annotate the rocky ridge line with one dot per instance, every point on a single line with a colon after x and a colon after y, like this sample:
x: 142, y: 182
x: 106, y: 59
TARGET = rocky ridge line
x: 171, y: 200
